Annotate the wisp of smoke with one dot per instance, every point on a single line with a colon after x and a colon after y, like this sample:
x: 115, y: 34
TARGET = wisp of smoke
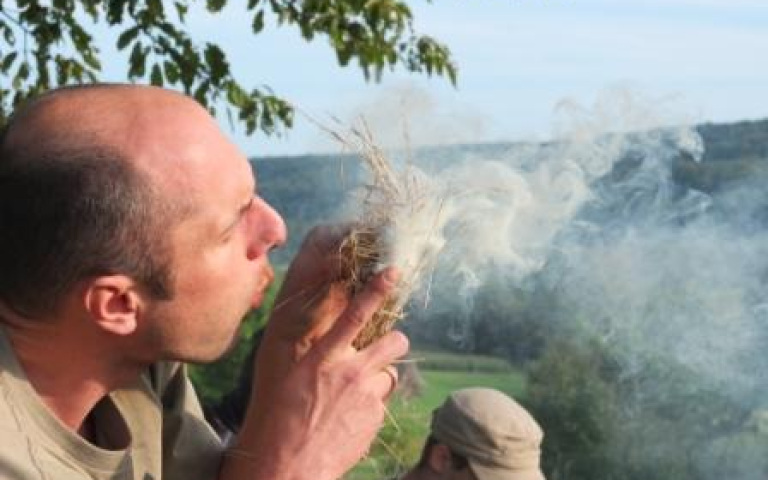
x: 638, y: 260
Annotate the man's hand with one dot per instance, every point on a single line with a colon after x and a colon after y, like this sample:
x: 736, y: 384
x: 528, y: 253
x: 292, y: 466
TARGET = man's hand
x: 313, y: 294
x: 317, y: 402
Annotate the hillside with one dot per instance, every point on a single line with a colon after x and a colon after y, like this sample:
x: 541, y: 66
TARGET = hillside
x: 313, y: 189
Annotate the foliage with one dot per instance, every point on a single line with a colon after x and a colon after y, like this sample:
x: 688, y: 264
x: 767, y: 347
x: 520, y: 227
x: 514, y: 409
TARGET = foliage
x: 735, y: 141
x: 573, y: 401
x: 740, y: 456
x: 46, y: 44
x: 602, y: 422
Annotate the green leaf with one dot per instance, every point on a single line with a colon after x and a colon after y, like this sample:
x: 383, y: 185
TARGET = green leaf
x: 217, y: 63
x: 236, y: 95
x: 391, y: 57
x: 452, y: 72
x: 155, y: 10
x: 77, y: 70
x: 91, y: 60
x: 115, y: 11
x: 181, y: 10
x: 10, y: 38
x: 23, y: 72
x: 80, y: 37
x: 91, y: 7
x: 131, y: 6
x: 156, y: 77
x: 8, y: 61
x: 215, y: 6
x: 189, y: 68
x: 343, y: 55
x: 127, y: 37
x: 21, y: 76
x: 137, y: 61
x: 258, y: 22
x: 201, y: 93
x: 171, y: 71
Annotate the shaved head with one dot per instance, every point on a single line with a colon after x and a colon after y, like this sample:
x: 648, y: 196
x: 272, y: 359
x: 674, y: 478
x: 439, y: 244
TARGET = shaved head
x: 80, y: 193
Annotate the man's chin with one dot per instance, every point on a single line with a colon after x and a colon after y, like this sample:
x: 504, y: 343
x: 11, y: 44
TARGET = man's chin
x: 214, y: 356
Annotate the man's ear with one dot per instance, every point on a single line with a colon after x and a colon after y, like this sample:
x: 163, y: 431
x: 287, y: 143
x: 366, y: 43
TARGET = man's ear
x: 440, y: 458
x: 114, y: 303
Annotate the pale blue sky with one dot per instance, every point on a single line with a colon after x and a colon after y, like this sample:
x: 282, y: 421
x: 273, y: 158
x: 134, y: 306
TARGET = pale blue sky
x: 517, y: 60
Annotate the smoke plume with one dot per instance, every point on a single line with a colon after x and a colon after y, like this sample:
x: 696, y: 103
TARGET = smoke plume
x: 657, y: 271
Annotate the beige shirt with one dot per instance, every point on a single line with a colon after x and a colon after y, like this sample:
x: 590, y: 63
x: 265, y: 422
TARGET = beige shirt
x: 169, y: 438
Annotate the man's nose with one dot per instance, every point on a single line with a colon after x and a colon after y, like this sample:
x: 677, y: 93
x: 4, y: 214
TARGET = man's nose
x: 269, y: 230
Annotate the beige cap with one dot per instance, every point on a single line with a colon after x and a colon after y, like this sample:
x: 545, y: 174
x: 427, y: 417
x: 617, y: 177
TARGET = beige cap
x: 499, y: 438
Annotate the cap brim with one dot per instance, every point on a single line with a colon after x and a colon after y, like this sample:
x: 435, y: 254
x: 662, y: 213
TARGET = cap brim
x: 489, y: 473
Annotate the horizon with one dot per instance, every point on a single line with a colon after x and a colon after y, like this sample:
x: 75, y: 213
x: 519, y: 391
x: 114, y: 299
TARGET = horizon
x: 502, y: 143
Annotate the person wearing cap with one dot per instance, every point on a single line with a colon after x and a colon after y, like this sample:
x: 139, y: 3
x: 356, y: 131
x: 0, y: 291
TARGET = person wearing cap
x: 480, y: 434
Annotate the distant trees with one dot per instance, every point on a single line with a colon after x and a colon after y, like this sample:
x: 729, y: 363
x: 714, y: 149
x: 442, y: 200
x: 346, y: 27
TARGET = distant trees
x: 603, y: 422
x: 735, y: 141
x: 47, y: 43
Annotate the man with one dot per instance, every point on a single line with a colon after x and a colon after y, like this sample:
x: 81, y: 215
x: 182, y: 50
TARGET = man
x: 131, y: 240
x: 480, y: 434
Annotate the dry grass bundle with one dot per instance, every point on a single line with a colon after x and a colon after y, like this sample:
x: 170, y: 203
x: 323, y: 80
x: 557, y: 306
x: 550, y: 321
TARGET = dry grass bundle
x: 395, y: 204
x: 360, y: 254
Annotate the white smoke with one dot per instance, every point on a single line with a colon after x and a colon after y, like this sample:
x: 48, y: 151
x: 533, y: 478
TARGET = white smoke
x: 640, y: 262
x: 506, y: 213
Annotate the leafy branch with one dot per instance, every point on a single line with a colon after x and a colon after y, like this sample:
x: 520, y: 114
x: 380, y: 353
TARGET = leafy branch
x: 56, y: 49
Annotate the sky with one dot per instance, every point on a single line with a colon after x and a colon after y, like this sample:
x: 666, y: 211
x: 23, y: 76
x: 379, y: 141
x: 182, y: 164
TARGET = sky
x: 518, y: 60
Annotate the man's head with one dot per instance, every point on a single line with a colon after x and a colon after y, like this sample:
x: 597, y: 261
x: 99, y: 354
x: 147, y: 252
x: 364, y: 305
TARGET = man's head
x: 482, y: 434
x: 126, y: 206
x: 72, y: 206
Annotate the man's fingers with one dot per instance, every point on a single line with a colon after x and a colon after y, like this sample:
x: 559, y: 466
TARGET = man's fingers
x: 386, y: 382
x: 360, y: 310
x: 385, y: 351
x: 379, y: 356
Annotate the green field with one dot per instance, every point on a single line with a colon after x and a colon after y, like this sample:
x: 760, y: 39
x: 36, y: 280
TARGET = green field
x: 399, y: 443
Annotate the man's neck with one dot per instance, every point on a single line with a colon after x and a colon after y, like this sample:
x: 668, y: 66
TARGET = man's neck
x: 71, y: 371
